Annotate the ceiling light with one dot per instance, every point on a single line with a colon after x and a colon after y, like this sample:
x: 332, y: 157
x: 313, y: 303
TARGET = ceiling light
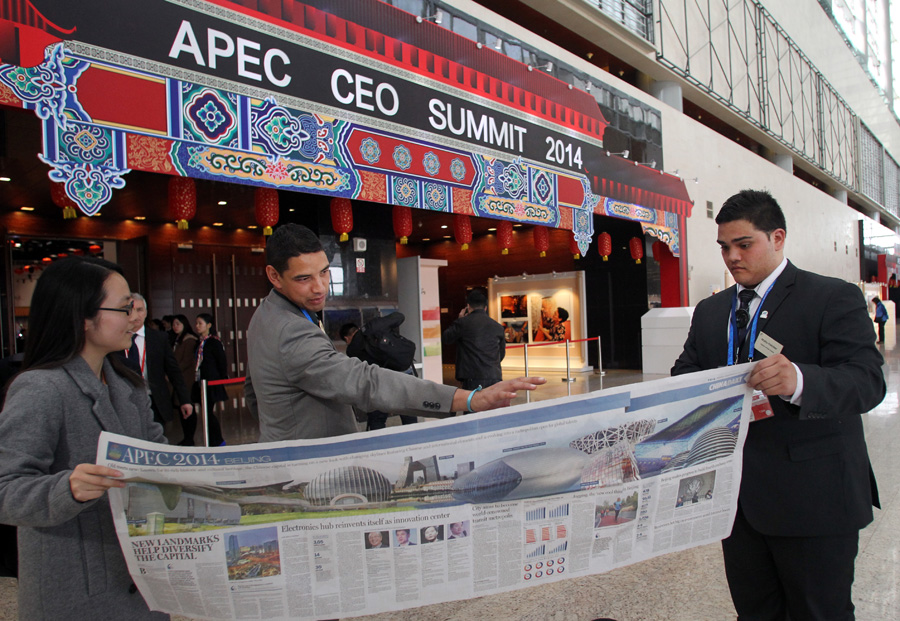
x: 5, y: 179
x: 493, y: 228
x: 217, y: 224
x: 426, y: 239
x: 26, y: 208
x: 443, y: 226
x: 291, y: 210
x: 252, y: 226
x: 223, y: 202
x: 140, y: 217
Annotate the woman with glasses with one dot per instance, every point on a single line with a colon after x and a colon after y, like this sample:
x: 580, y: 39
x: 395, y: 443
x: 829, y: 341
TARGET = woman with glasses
x: 70, y: 563
x: 210, y: 365
x: 185, y: 346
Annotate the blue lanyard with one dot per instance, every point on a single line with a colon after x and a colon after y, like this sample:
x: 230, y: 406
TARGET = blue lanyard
x: 306, y: 314
x: 732, y: 329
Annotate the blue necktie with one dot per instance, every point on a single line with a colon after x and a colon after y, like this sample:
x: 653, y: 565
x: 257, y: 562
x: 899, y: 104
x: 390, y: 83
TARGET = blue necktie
x: 742, y: 316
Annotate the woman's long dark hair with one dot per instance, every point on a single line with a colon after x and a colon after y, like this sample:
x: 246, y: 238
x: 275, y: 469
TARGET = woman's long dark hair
x: 186, y: 330
x: 68, y: 293
x: 208, y: 319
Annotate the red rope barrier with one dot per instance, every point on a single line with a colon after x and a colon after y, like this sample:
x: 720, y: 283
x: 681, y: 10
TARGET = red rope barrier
x: 236, y: 380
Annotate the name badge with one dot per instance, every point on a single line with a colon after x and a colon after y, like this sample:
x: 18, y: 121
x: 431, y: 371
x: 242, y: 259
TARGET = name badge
x: 768, y: 346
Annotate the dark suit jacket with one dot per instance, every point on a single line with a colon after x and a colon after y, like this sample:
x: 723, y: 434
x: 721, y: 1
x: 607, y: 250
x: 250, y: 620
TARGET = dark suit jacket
x: 481, y: 345
x: 161, y: 364
x: 806, y: 470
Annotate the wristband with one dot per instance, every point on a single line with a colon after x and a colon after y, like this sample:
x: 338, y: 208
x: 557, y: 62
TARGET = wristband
x: 469, y: 400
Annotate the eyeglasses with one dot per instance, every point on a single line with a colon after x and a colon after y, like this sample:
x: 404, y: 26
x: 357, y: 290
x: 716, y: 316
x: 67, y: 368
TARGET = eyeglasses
x: 127, y: 309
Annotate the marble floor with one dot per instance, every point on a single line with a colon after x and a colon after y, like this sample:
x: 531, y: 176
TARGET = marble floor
x: 683, y: 586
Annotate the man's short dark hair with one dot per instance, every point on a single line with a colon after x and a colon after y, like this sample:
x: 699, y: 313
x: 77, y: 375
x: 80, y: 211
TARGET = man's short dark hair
x: 476, y: 299
x: 346, y: 329
x: 288, y: 241
x: 758, y: 207
x: 563, y: 313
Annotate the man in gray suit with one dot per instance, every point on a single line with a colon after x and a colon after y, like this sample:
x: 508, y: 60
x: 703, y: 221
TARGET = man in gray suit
x: 300, y: 386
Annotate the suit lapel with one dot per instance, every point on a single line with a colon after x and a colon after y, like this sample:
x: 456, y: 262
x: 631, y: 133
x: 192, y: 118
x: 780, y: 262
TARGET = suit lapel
x: 779, y: 293
x: 87, y: 382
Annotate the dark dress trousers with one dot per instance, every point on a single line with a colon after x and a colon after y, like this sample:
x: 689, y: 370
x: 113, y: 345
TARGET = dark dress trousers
x: 481, y: 345
x: 806, y: 470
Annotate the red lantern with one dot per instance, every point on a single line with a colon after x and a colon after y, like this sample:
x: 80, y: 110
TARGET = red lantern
x: 604, y: 245
x: 637, y: 249
x: 657, y: 249
x: 94, y: 249
x: 402, y: 223
x: 47, y: 260
x: 504, y: 235
x: 62, y: 200
x: 541, y: 239
x: 573, y: 246
x: 265, y: 206
x: 182, y: 200
x: 342, y: 217
x: 462, y: 229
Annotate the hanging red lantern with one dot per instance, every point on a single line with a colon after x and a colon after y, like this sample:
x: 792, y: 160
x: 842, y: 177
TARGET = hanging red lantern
x: 462, y: 230
x: 342, y: 217
x: 541, y: 239
x: 402, y: 223
x: 604, y: 245
x: 657, y: 250
x: 94, y: 249
x: 573, y: 246
x: 504, y: 235
x: 637, y: 249
x: 265, y: 206
x: 182, y: 200
x: 61, y: 199
x: 47, y: 260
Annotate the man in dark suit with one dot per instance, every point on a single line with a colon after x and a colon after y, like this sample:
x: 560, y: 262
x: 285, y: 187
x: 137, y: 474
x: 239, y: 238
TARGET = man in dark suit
x: 807, y: 486
x: 480, y: 344
x: 156, y: 362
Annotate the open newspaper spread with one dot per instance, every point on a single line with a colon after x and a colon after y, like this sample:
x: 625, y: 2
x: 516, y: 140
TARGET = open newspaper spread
x: 428, y: 513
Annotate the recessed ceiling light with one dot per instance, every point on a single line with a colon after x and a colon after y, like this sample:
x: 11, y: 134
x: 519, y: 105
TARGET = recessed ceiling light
x: 493, y: 228
x: 426, y: 239
x: 26, y: 208
x: 217, y: 224
x: 140, y: 217
x: 252, y: 226
x: 515, y: 226
x: 5, y: 179
x: 291, y: 209
x: 446, y: 237
x: 443, y: 226
x: 223, y: 202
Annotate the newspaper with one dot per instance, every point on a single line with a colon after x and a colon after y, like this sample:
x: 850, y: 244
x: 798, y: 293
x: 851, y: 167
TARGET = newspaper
x: 429, y: 513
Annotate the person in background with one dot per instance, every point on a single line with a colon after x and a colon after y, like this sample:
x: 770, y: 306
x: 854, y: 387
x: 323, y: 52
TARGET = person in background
x: 356, y: 348
x: 70, y: 564
x: 185, y: 349
x: 167, y: 326
x: 480, y: 344
x: 151, y: 356
x: 881, y: 317
x: 210, y: 364
x: 156, y: 324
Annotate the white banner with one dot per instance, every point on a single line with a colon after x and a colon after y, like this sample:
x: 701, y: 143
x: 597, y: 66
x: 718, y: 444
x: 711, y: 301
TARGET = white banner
x: 435, y: 512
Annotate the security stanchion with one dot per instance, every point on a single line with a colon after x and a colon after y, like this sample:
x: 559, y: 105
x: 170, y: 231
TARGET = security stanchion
x: 203, y: 406
x: 568, y: 377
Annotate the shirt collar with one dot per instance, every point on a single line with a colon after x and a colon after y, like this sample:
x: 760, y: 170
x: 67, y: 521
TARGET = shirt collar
x: 140, y: 332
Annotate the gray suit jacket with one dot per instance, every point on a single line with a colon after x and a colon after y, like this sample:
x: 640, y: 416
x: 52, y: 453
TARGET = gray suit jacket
x: 301, y: 387
x: 70, y: 563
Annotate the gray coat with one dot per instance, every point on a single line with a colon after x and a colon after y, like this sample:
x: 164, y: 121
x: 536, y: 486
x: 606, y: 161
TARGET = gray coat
x: 302, y: 387
x: 70, y: 563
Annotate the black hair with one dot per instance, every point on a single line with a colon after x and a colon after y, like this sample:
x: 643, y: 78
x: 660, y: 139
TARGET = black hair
x: 476, y: 299
x: 68, y: 293
x: 209, y: 319
x: 187, y: 327
x: 876, y: 299
x: 757, y: 207
x: 288, y: 241
x: 157, y: 324
x: 346, y: 329
x: 563, y: 313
